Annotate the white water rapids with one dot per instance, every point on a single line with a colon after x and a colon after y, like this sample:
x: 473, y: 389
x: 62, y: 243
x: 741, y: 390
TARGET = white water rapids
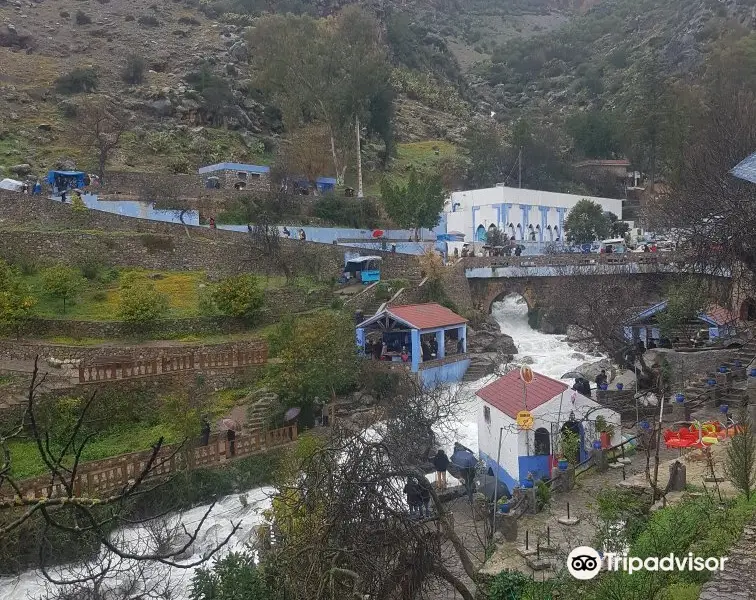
x: 550, y: 355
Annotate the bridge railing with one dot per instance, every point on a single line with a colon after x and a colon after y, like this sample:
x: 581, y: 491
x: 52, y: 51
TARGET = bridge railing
x: 567, y: 260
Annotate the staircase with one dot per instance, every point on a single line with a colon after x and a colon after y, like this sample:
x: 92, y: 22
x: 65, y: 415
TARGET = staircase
x: 258, y: 413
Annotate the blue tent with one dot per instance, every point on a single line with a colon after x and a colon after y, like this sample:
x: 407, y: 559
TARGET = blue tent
x: 325, y: 184
x: 66, y: 180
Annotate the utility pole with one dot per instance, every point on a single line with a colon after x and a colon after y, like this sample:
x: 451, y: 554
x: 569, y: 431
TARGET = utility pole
x: 519, y: 162
x: 359, y: 156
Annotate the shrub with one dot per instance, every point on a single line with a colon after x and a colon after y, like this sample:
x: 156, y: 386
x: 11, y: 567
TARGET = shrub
x: 77, y: 81
x: 508, y: 584
x: 133, y: 71
x: 99, y: 296
x: 82, y: 18
x: 239, y: 296
x: 27, y: 265
x: 90, y: 268
x: 77, y: 203
x: 141, y: 304
x: 148, y: 21
x: 128, y: 18
x: 64, y: 14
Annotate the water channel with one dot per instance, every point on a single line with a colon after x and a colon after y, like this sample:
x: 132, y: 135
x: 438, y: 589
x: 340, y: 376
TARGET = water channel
x: 549, y: 354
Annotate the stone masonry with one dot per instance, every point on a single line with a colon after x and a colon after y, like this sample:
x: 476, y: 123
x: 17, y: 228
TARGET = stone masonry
x: 738, y: 580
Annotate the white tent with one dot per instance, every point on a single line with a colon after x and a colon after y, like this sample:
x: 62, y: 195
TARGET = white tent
x: 12, y: 185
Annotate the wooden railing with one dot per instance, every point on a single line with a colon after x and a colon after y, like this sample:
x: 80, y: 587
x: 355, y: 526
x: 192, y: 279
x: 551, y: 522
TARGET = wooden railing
x: 172, y: 364
x: 100, y: 478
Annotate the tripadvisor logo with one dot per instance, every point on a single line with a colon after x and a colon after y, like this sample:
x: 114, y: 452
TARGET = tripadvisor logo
x: 585, y: 563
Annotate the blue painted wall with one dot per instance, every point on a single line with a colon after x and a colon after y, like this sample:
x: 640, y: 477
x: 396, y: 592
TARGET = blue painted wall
x: 503, y: 474
x: 449, y: 373
x: 538, y: 465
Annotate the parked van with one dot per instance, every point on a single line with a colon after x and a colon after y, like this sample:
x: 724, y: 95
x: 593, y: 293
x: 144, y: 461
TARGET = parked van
x: 613, y: 246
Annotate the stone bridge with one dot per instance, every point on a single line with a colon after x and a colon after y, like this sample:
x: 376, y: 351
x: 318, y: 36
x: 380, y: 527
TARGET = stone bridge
x: 492, y: 278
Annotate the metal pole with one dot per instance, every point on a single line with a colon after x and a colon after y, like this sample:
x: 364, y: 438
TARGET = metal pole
x: 519, y: 174
x: 496, y: 480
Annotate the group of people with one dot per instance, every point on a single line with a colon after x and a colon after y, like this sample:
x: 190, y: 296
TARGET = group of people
x: 417, y: 490
x: 301, y: 235
x: 35, y: 188
x: 583, y: 386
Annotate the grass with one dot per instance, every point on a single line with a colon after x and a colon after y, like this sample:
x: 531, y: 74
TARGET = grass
x: 120, y: 440
x: 100, y: 302
x: 422, y: 155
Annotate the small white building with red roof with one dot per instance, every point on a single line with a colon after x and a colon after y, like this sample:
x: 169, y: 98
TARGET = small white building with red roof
x: 554, y: 407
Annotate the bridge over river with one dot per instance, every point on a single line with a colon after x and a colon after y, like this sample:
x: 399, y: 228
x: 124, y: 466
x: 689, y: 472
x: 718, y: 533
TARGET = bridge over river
x: 491, y: 278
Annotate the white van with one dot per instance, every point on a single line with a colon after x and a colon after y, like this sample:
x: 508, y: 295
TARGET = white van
x: 613, y: 246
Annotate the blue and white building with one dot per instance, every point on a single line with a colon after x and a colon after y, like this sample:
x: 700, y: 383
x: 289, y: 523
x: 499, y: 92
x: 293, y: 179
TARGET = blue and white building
x: 532, y: 217
x: 555, y: 408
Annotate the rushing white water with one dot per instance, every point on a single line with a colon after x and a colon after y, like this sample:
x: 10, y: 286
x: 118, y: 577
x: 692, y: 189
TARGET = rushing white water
x: 549, y: 354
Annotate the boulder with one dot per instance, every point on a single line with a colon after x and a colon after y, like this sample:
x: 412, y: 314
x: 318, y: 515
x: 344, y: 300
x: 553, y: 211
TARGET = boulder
x: 591, y: 369
x: 65, y: 164
x: 162, y: 107
x: 21, y: 170
x: 489, y: 341
x: 15, y: 37
x: 239, y: 51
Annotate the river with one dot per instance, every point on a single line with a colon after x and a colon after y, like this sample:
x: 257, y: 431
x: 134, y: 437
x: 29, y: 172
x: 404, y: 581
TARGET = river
x: 549, y: 354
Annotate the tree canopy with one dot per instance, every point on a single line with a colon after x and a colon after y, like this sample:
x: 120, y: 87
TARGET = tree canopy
x: 16, y: 300
x: 333, y: 71
x: 586, y: 222
x: 415, y: 204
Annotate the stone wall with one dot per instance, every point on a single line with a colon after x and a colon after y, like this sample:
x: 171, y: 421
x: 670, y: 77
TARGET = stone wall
x: 29, y: 350
x: 50, y: 232
x: 139, y: 184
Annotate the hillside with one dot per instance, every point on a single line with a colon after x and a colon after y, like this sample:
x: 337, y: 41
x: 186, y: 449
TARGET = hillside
x: 544, y: 59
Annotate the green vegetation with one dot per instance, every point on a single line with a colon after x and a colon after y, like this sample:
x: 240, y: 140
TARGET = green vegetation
x: 686, y: 299
x: 233, y: 577
x: 16, y: 300
x: 133, y: 71
x: 240, y: 296
x: 141, y: 304
x: 317, y: 358
x: 586, y: 222
x: 62, y: 282
x: 740, y: 465
x: 416, y: 204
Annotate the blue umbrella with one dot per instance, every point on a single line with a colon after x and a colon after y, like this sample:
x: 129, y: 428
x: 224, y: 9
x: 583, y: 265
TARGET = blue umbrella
x: 464, y: 459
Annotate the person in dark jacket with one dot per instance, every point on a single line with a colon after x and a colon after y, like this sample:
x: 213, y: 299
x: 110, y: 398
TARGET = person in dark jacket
x: 425, y: 496
x: 601, y: 378
x: 205, y: 432
x: 412, y: 490
x: 441, y: 463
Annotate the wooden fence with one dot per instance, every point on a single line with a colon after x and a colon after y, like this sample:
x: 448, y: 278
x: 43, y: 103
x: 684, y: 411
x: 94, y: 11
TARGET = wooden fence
x: 100, y: 478
x: 182, y: 363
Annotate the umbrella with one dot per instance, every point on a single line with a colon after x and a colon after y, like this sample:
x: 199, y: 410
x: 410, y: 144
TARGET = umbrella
x: 489, y: 487
x: 464, y: 459
x: 292, y: 414
x: 378, y: 233
x: 228, y: 425
x: 571, y: 375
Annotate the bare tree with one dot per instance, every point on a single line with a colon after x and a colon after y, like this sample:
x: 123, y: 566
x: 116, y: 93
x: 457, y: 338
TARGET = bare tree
x: 75, y: 514
x: 342, y: 530
x: 102, y: 123
x: 305, y: 154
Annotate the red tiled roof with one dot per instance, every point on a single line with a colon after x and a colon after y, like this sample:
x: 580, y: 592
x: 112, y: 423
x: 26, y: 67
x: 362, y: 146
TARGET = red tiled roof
x: 506, y: 394
x: 426, y: 316
x: 720, y: 315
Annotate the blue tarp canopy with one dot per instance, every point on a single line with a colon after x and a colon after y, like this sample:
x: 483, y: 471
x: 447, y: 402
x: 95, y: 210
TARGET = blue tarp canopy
x: 77, y: 176
x: 746, y: 169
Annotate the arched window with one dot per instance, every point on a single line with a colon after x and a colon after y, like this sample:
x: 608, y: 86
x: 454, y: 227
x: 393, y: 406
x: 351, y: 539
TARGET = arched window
x: 542, y: 443
x: 480, y: 234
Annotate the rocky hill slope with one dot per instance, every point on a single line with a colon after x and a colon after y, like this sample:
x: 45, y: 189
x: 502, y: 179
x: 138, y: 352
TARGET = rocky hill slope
x: 452, y: 60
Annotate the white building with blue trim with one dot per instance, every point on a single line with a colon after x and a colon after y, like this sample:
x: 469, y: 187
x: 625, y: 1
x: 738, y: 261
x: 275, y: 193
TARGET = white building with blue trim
x: 530, y: 216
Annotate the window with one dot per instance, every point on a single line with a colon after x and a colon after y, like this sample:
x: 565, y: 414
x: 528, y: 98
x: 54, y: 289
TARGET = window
x: 255, y: 175
x: 242, y: 175
x: 487, y: 414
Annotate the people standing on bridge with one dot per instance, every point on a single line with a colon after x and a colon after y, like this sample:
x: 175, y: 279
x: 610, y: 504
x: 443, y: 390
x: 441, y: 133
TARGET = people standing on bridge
x: 287, y: 233
x: 212, y: 223
x: 518, y: 250
x: 393, y: 248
